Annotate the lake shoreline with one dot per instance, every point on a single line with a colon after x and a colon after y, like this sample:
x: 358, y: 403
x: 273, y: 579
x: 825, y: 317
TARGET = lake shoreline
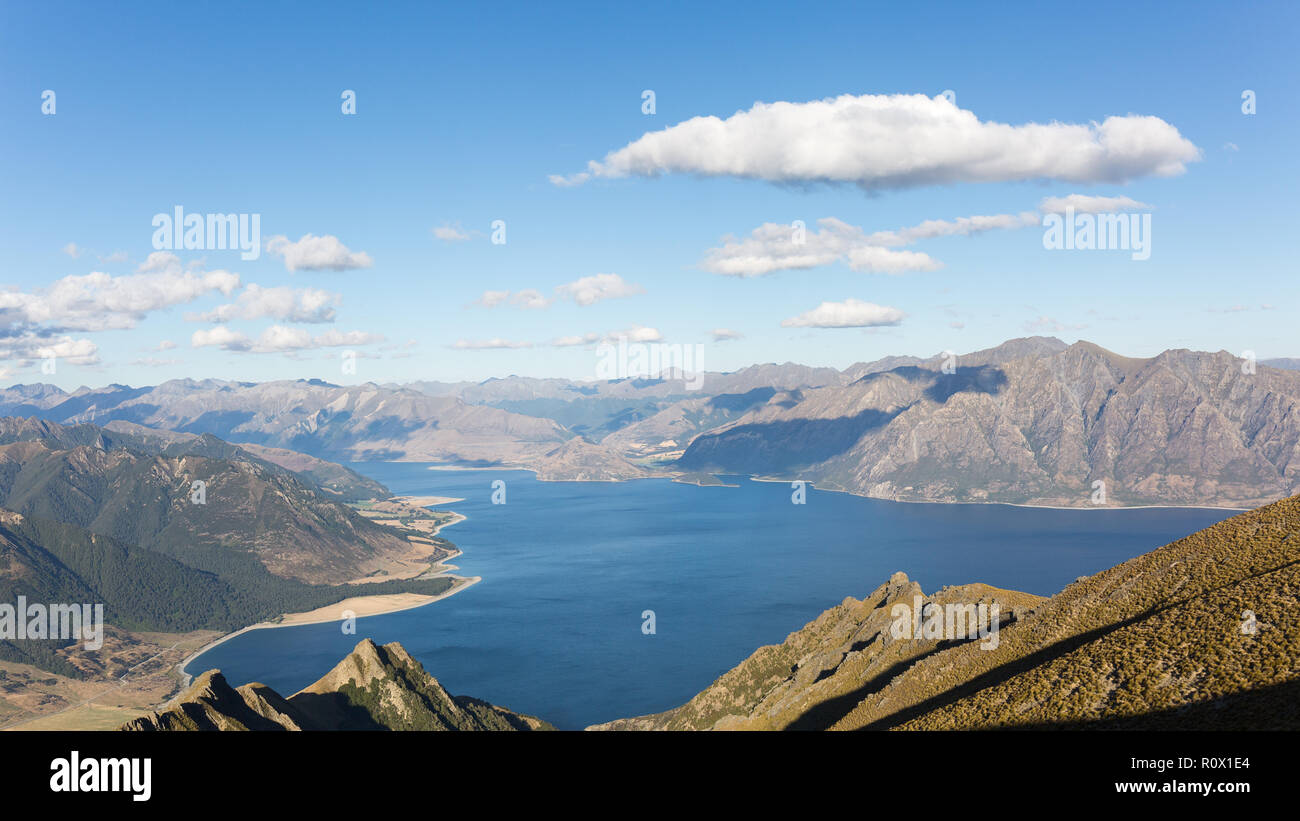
x: 836, y: 490
x: 376, y: 604
x: 397, y: 602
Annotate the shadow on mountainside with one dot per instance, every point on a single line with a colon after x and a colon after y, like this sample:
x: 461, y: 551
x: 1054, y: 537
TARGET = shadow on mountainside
x: 336, y: 711
x: 827, y: 713
x: 982, y: 379
x: 1274, y: 707
x: 773, y: 447
x: 967, y: 379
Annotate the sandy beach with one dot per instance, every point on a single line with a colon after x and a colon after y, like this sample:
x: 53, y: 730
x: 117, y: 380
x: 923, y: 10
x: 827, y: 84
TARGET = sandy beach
x: 427, y: 501
x: 359, y: 606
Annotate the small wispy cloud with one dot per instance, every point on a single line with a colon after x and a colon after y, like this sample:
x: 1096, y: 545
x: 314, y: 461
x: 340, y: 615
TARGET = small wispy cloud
x: 488, y: 344
x: 448, y: 232
x: 1085, y: 204
x: 278, y: 339
x: 584, y: 291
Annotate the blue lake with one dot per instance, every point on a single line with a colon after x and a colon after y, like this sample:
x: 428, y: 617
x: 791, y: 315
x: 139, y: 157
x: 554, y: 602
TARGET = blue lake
x: 555, y: 627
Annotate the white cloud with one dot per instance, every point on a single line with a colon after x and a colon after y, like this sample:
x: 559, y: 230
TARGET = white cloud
x: 23, y: 347
x: 1084, y: 204
x: 75, y: 351
x: 450, y: 233
x: 962, y: 226
x: 160, y: 261
x: 780, y: 247
x: 584, y: 291
x: 592, y: 289
x: 491, y: 299
x: 165, y: 345
x: 572, y: 341
x: 529, y: 298
x: 335, y: 338
x: 153, y: 362
x: 310, y: 305
x: 725, y: 334
x: 488, y: 344
x: 278, y: 339
x: 98, y: 301
x: 773, y: 247
x: 896, y: 141
x: 636, y: 333
x: 220, y: 337
x: 851, y: 313
x: 313, y: 253
x: 72, y: 250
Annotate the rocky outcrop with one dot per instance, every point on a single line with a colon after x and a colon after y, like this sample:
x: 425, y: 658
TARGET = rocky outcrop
x: 373, y: 688
x: 210, y: 703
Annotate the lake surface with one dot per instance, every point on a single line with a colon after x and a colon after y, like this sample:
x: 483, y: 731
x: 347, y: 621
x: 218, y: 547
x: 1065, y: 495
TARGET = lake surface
x: 555, y: 627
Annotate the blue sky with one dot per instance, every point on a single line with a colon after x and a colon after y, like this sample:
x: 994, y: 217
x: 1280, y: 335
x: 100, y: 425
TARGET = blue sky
x: 464, y: 114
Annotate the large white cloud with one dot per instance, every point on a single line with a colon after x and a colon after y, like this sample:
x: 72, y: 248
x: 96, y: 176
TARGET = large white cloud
x: 98, y: 301
x: 282, y: 303
x: 851, y: 313
x: 313, y: 253
x: 897, y: 141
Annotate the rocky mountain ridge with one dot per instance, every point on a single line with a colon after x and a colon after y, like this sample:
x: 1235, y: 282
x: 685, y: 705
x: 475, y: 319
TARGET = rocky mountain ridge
x: 373, y: 688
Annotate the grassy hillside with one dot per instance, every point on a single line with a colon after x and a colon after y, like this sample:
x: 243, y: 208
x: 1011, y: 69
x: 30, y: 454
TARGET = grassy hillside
x: 91, y: 515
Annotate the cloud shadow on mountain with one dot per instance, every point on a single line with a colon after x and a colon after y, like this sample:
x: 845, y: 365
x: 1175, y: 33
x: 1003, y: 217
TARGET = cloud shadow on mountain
x: 774, y: 447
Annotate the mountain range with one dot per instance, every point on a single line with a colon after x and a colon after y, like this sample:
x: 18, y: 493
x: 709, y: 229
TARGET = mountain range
x: 1031, y: 421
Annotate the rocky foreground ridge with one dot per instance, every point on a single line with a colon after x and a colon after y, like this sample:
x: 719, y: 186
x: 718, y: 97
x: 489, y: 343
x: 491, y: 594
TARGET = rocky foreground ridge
x: 373, y: 688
